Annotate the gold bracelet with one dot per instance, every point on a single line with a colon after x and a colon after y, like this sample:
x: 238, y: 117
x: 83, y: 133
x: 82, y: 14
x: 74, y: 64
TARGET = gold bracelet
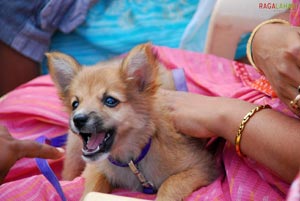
x: 242, y: 126
x: 249, y: 43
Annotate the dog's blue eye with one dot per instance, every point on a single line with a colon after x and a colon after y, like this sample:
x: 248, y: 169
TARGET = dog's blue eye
x: 110, y: 101
x: 75, y: 104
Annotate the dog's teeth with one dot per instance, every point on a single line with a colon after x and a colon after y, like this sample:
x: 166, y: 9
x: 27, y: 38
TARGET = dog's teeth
x: 90, y: 152
x: 107, y: 136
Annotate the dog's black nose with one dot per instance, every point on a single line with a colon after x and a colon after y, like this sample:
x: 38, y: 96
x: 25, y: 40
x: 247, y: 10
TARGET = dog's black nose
x: 80, y: 120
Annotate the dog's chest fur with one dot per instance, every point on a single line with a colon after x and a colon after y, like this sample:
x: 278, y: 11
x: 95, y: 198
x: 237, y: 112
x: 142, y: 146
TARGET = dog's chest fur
x: 169, y: 154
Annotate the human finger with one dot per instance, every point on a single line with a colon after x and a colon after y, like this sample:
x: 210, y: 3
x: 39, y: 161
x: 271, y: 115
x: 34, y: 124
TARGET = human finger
x: 32, y: 149
x: 288, y: 73
x: 291, y: 97
x: 294, y: 46
x: 295, y: 103
x: 4, y: 132
x: 3, y: 129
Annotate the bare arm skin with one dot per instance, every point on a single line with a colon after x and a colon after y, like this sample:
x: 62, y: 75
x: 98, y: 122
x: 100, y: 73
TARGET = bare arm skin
x: 270, y: 137
x: 276, y: 51
x: 16, y: 69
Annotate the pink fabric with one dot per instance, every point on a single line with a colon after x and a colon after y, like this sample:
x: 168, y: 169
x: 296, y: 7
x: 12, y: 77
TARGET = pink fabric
x: 34, y: 109
x: 31, y: 110
x: 295, y: 13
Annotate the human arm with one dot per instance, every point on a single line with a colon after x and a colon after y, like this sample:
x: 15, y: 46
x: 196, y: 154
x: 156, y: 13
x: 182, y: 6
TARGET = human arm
x: 276, y: 52
x: 12, y: 150
x: 270, y: 137
x: 16, y: 69
x: 26, y: 34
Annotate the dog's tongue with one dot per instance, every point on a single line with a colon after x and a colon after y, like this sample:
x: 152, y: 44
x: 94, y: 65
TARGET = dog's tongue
x: 94, y: 141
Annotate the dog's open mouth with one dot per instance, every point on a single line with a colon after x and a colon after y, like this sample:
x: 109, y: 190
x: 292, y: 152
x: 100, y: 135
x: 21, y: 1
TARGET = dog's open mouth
x: 94, y: 143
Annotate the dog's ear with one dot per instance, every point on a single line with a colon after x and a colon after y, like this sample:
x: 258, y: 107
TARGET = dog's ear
x: 140, y: 68
x: 62, y: 69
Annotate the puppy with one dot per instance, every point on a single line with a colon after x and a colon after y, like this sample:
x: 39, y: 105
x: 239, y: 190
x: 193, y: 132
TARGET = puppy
x: 121, y: 129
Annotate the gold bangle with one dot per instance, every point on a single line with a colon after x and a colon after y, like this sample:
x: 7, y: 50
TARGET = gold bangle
x: 249, y: 43
x: 242, y: 126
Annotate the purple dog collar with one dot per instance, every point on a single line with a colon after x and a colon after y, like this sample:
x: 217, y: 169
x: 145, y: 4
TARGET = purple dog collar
x: 139, y: 158
x: 148, y: 187
x: 179, y: 79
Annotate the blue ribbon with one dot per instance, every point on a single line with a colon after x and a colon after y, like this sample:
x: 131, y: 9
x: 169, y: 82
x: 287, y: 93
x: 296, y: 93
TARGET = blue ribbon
x: 43, y: 164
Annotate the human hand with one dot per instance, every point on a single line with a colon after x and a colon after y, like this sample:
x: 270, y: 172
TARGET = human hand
x: 12, y: 150
x: 191, y: 114
x: 276, y: 51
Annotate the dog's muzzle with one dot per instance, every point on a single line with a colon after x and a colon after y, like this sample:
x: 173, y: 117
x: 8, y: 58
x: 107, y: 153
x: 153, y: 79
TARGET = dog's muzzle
x: 95, y: 138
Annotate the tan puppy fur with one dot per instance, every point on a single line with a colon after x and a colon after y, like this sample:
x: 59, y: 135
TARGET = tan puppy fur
x: 116, y: 104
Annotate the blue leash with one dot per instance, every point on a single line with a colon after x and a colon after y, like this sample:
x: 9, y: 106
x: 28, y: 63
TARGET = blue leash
x: 43, y: 164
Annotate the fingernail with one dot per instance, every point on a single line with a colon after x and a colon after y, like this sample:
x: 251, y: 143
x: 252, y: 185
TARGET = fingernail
x: 61, y: 150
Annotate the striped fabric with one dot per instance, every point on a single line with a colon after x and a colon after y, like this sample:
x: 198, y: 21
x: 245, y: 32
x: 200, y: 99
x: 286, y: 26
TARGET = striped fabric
x: 34, y: 109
